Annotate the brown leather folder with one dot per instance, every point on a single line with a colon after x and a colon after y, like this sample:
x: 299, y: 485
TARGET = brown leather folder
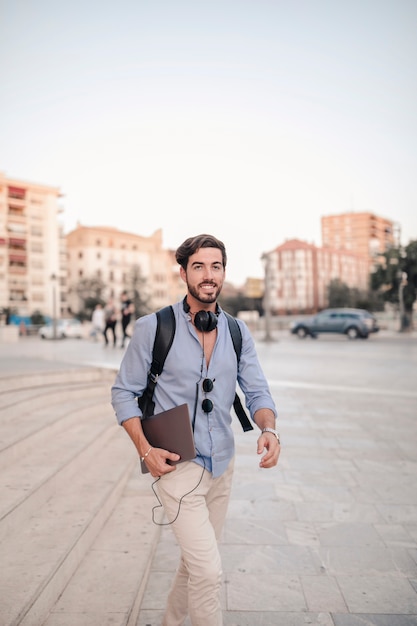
x: 170, y: 430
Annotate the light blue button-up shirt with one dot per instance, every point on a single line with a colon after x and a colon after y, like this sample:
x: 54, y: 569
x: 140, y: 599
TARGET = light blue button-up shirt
x: 181, y: 379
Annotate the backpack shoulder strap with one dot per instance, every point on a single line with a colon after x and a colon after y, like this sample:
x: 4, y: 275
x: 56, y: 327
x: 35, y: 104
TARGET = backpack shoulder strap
x: 236, y: 335
x: 164, y: 336
x: 165, y: 331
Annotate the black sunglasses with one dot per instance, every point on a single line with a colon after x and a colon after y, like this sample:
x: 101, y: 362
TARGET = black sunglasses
x: 207, y: 405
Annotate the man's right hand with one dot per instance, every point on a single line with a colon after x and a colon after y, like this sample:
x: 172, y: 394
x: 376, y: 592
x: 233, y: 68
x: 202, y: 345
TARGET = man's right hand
x: 156, y: 462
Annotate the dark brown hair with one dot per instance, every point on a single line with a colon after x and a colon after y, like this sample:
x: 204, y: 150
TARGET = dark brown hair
x: 192, y: 244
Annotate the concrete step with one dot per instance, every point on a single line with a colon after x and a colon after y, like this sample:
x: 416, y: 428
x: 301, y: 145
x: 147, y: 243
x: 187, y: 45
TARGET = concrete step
x: 108, y: 586
x: 33, y: 396
x: 29, y: 482
x: 34, y: 413
x: 65, y: 469
x: 40, y: 557
x: 54, y: 377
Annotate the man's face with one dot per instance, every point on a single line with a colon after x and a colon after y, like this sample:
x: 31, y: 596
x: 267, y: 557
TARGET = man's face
x: 204, y: 275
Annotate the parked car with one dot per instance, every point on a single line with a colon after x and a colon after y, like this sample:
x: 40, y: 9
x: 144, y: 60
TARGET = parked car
x: 351, y: 322
x: 64, y: 328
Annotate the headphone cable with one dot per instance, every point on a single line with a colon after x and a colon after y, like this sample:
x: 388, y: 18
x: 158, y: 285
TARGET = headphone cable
x: 160, y: 505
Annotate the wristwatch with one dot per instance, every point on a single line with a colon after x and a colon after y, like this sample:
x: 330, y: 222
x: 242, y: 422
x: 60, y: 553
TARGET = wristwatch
x: 274, y: 432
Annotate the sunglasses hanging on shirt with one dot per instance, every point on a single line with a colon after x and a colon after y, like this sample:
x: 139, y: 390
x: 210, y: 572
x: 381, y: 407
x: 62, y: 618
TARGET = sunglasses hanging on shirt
x: 207, y: 404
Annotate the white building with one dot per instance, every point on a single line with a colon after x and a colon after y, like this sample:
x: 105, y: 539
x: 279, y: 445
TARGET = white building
x: 30, y: 248
x: 112, y: 255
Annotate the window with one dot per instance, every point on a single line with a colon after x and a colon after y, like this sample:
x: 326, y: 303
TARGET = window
x: 17, y: 244
x: 17, y: 295
x: 16, y: 210
x: 16, y: 228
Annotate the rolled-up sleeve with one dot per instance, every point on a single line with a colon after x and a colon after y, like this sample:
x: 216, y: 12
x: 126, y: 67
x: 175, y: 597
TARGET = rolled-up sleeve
x: 131, y: 379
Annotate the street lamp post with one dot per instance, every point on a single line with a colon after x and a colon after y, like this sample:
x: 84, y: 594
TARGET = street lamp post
x: 267, y: 298
x: 53, y: 279
x: 403, y: 281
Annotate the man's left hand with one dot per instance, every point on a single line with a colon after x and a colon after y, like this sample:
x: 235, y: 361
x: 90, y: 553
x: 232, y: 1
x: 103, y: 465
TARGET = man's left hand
x: 268, y: 441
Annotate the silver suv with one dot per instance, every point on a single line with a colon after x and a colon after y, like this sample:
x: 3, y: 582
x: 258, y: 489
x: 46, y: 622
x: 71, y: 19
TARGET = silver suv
x: 352, y: 322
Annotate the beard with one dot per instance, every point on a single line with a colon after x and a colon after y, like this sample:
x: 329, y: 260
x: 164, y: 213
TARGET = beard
x: 205, y: 298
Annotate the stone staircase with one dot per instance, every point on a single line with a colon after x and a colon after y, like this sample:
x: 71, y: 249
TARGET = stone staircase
x: 76, y: 536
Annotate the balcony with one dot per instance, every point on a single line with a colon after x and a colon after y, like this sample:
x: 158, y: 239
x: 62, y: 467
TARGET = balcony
x: 18, y: 225
x: 17, y: 193
x: 17, y: 244
x: 17, y: 269
x: 17, y: 296
x: 16, y: 211
x: 17, y: 257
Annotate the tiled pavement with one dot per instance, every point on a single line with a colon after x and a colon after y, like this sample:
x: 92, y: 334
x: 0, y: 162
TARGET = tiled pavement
x: 329, y: 537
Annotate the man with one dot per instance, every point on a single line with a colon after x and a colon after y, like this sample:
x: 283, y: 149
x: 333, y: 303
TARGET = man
x: 201, y: 370
x: 126, y: 309
x: 110, y: 321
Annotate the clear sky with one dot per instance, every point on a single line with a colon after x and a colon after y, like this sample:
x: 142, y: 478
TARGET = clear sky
x: 245, y: 119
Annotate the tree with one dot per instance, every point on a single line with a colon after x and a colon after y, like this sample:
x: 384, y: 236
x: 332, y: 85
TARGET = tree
x: 90, y: 292
x: 137, y: 285
x: 239, y: 302
x: 37, y: 318
x: 338, y: 294
x: 396, y: 280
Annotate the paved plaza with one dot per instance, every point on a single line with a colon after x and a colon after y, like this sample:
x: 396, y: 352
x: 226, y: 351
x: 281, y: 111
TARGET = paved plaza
x: 329, y: 537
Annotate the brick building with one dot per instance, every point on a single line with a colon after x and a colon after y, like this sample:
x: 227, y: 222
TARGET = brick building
x: 365, y: 234
x: 299, y: 274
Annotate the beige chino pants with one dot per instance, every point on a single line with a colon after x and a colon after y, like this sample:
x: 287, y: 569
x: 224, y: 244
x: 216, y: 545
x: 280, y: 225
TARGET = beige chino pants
x: 197, y: 583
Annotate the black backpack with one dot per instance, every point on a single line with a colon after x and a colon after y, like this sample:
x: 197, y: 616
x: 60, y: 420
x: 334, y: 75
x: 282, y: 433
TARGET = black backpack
x: 165, y: 331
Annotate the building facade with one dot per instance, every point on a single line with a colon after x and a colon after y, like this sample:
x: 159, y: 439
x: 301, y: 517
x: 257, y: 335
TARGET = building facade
x: 118, y: 259
x: 32, y: 275
x: 40, y: 266
x: 365, y: 234
x: 298, y: 275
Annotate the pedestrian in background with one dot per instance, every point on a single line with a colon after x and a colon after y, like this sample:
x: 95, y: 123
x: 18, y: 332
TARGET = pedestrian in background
x: 127, y: 309
x: 110, y: 318
x: 97, y: 322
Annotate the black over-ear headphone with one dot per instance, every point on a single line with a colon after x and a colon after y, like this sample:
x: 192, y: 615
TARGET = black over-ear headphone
x: 206, y: 321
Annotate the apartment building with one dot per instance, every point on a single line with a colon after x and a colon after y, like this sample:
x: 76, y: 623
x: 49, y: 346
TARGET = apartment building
x: 114, y: 257
x: 299, y: 274
x: 364, y: 234
x: 32, y: 274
